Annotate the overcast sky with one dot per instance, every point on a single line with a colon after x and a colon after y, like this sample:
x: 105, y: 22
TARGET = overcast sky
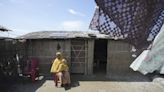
x: 24, y: 16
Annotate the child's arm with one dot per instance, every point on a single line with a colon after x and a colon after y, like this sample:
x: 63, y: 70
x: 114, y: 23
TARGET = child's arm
x: 64, y: 61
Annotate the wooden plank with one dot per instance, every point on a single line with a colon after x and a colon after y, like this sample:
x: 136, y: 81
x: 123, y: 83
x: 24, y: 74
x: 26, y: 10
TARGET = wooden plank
x: 90, y: 56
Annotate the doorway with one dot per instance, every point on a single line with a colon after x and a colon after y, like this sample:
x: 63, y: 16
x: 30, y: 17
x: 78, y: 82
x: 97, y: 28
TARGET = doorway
x: 100, y: 56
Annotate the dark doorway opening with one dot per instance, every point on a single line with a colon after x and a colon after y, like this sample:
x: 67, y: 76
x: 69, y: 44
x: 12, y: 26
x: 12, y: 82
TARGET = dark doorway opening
x: 100, y: 56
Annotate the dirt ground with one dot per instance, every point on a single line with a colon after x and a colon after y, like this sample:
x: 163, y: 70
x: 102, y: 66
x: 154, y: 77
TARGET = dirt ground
x: 91, y: 84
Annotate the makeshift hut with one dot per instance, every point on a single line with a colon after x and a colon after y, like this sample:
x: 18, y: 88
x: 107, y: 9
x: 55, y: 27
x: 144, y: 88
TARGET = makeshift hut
x: 88, y: 53
x: 7, y: 54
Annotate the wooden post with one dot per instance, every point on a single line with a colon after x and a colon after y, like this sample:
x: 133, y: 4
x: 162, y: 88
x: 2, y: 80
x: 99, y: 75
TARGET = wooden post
x: 90, y: 56
x: 86, y: 57
x: 68, y: 51
x: 108, y: 59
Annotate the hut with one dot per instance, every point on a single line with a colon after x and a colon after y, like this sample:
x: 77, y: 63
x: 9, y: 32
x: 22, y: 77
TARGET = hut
x: 6, y: 46
x: 88, y: 53
x: 7, y: 65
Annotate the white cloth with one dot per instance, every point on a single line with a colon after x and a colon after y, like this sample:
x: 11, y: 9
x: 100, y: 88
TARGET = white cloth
x: 151, y: 60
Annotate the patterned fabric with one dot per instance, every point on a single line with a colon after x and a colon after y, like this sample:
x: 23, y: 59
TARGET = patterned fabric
x: 136, y: 21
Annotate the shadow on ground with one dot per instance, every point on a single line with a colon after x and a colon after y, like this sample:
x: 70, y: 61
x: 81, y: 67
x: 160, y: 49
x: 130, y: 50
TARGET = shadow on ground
x: 26, y: 85
x: 20, y: 84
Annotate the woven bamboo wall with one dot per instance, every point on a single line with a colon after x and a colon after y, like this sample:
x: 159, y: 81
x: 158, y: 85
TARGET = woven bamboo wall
x: 7, y: 54
x: 119, y: 55
x: 7, y: 49
x: 119, y: 58
x: 45, y: 51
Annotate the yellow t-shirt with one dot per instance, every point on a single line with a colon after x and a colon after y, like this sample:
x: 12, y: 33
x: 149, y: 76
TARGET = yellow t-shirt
x: 59, y: 65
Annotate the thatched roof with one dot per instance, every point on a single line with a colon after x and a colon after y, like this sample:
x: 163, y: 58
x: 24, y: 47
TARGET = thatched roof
x: 63, y: 35
x: 3, y: 29
x: 3, y: 38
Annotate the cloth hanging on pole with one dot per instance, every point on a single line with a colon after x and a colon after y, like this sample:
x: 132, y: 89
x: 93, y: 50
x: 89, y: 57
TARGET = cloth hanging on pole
x: 135, y: 21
